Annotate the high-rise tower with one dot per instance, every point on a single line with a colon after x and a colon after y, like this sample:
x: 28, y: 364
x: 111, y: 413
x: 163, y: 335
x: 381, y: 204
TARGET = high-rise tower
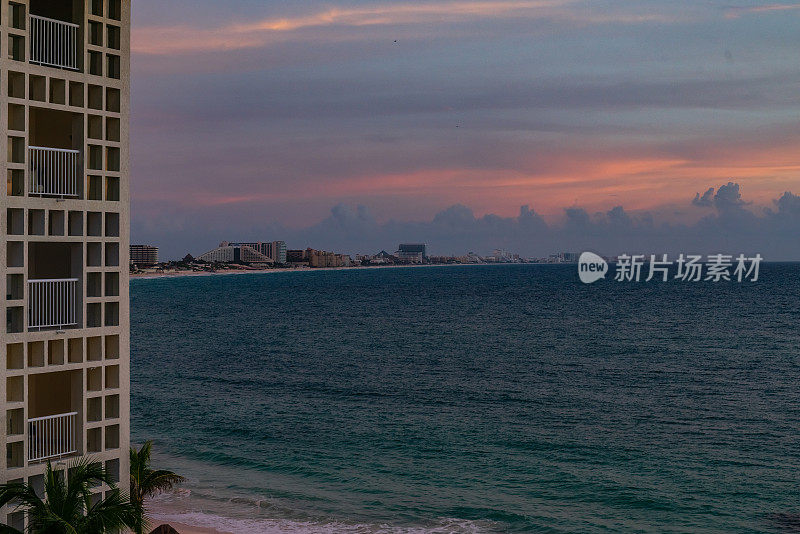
x: 65, y: 85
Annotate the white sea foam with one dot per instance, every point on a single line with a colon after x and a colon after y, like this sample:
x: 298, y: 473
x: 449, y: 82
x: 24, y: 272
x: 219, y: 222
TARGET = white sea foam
x: 275, y: 526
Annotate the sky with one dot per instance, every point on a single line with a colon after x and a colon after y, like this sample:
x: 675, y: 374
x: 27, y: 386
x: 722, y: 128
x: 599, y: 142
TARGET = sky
x: 535, y: 126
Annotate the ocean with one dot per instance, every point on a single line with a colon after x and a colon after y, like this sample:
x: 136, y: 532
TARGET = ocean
x: 506, y: 398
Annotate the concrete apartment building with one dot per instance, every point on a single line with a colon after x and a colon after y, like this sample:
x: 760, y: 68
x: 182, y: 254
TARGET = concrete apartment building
x: 143, y: 255
x: 64, y: 81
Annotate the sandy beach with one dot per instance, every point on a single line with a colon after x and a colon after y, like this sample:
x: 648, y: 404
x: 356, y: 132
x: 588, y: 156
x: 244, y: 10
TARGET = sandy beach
x: 190, y: 529
x: 153, y: 275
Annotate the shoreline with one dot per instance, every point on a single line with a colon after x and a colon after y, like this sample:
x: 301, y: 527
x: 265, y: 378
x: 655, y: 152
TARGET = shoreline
x: 184, y: 528
x: 177, y: 274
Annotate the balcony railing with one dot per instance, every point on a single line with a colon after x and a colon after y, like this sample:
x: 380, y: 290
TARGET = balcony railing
x: 53, y: 171
x: 54, y: 43
x: 52, y: 303
x: 52, y: 436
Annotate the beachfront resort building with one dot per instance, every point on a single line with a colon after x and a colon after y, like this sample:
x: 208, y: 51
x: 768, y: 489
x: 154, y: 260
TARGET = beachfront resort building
x: 143, y: 255
x: 234, y: 253
x: 65, y: 375
x: 267, y: 252
x: 412, y: 252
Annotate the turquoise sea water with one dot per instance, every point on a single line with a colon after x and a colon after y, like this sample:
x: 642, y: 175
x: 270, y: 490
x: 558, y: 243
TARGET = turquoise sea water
x: 472, y: 399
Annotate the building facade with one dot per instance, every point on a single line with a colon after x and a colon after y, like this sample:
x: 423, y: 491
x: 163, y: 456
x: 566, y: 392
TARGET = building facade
x: 143, y: 255
x: 412, y: 252
x: 65, y: 89
x: 274, y: 250
x: 234, y: 253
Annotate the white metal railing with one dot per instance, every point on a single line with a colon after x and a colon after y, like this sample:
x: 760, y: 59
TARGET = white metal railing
x: 52, y: 436
x: 52, y: 303
x: 54, y: 42
x: 53, y: 171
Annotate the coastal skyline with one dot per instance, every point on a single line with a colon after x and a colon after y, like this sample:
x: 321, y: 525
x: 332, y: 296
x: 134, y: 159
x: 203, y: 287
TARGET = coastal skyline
x: 338, y: 122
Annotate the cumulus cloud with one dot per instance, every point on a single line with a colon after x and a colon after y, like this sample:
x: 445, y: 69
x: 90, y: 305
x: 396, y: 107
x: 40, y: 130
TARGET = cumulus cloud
x: 706, y: 200
x: 732, y: 226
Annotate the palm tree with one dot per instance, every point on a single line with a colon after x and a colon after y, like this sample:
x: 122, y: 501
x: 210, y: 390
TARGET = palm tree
x: 147, y: 482
x: 67, y: 507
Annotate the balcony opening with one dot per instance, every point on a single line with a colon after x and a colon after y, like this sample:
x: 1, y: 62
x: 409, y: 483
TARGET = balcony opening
x: 56, y: 129
x: 54, y: 289
x: 54, y: 31
x: 58, y: 10
x: 54, y: 260
x: 54, y: 393
x: 54, y: 402
x: 55, y: 139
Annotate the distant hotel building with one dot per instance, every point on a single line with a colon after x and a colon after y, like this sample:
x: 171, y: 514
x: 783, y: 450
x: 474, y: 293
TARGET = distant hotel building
x: 319, y: 258
x: 65, y: 376
x: 144, y: 255
x: 412, y: 252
